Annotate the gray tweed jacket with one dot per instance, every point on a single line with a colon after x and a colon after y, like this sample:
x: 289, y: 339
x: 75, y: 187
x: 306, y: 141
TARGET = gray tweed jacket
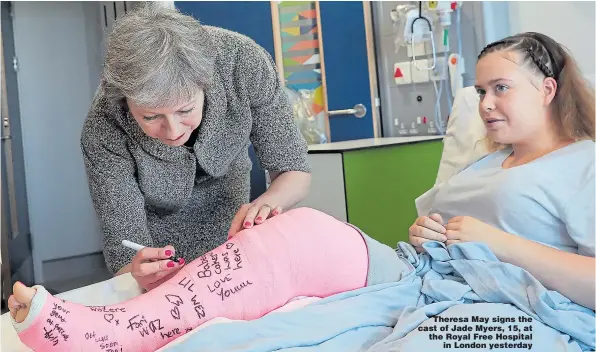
x: 154, y: 194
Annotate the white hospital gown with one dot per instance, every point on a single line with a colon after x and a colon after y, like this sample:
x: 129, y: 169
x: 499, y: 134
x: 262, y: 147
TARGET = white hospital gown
x: 549, y: 200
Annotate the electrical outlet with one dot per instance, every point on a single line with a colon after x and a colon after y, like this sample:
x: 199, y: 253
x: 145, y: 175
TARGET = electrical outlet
x: 431, y: 128
x: 420, y: 76
x: 402, y: 73
x: 403, y: 131
x: 413, y: 130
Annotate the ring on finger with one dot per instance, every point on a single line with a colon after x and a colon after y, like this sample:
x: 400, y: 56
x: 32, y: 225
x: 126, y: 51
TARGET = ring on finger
x: 264, y: 213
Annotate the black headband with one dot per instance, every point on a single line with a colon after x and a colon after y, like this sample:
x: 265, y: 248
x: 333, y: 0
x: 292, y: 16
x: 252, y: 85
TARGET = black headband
x: 506, y: 41
x: 539, y: 62
x: 542, y: 39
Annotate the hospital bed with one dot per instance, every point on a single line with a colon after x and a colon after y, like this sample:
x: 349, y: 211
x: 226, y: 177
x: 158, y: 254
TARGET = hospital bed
x: 118, y: 289
x: 463, y: 144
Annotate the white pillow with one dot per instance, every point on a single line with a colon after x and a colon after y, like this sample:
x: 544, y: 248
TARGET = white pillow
x: 463, y: 141
x: 462, y: 145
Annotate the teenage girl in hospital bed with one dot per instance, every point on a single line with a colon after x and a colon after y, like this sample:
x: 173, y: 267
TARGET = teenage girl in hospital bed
x: 530, y: 200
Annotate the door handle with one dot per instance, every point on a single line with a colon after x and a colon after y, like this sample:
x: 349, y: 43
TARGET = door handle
x: 358, y: 110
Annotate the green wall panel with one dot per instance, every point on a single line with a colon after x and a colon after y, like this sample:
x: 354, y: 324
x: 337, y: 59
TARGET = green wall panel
x: 382, y: 184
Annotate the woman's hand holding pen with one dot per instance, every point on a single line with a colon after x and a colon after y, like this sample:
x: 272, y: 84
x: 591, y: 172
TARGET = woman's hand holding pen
x: 152, y: 266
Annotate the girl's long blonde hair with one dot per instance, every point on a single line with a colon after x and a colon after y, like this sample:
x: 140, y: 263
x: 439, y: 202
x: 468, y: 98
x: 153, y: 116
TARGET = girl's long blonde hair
x: 573, y: 105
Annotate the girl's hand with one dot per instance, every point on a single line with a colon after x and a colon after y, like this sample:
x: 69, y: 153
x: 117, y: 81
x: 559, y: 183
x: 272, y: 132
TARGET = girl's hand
x: 427, y: 228
x: 469, y: 229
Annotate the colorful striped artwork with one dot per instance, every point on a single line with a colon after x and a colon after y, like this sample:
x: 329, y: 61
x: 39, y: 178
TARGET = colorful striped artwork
x: 300, y: 49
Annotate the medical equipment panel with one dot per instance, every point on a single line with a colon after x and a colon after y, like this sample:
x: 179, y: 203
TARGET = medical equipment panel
x: 425, y: 52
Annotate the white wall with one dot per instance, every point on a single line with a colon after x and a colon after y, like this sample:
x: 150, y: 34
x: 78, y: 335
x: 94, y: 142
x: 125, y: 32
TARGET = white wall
x: 58, y: 48
x: 94, y: 39
x: 496, y: 20
x: 570, y: 23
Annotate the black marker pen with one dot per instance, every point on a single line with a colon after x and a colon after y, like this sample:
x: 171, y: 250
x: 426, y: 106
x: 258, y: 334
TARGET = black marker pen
x: 175, y: 259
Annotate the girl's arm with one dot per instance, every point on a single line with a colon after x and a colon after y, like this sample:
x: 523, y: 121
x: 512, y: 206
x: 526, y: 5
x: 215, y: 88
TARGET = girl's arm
x: 572, y: 275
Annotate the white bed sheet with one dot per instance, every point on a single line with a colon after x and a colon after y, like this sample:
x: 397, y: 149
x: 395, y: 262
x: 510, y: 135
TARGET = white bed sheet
x: 116, y: 290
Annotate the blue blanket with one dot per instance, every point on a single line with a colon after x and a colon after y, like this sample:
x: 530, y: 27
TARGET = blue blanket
x: 460, y: 298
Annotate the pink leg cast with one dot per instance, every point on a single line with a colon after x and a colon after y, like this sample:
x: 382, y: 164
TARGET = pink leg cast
x: 300, y: 253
